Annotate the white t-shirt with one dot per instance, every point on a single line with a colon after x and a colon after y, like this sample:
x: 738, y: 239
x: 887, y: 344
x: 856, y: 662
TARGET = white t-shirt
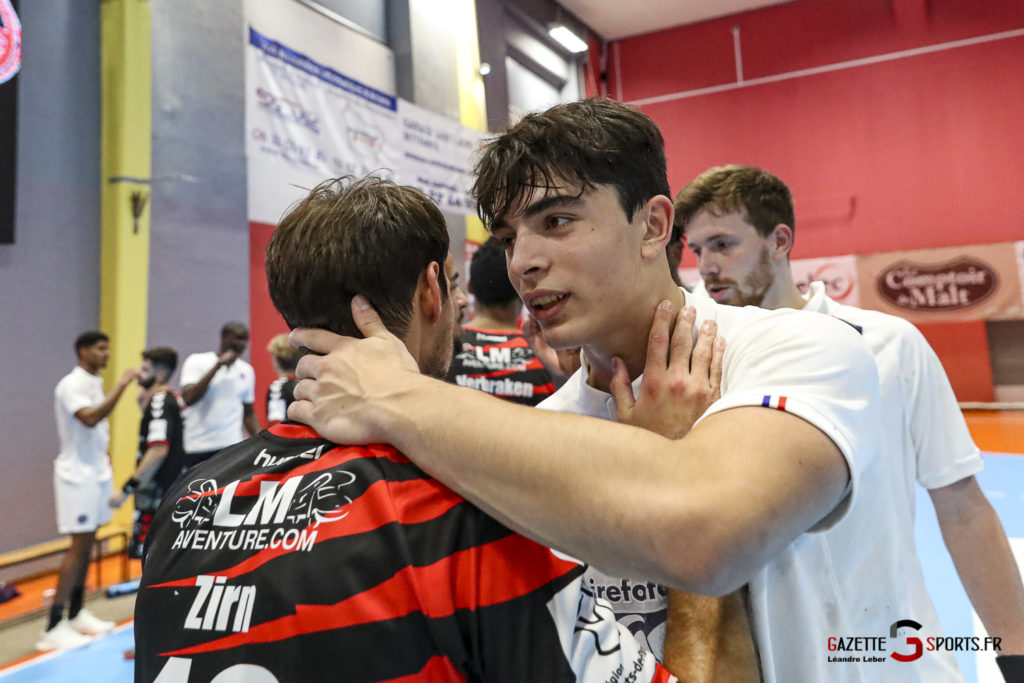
x: 936, y: 446
x: 926, y: 438
x: 83, y: 450
x: 835, y: 581
x: 215, y: 420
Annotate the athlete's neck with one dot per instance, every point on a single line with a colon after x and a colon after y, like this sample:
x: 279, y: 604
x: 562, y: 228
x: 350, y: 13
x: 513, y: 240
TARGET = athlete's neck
x: 629, y: 342
x: 783, y: 293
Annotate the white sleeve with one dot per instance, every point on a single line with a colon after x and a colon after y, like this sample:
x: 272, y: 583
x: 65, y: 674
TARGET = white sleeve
x: 943, y: 449
x: 249, y: 395
x: 72, y: 397
x: 814, y: 367
x: 193, y: 369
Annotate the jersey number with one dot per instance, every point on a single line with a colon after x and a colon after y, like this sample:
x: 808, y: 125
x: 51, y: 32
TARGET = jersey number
x: 177, y: 669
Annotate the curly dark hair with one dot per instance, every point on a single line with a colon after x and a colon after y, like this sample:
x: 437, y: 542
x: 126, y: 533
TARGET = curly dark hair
x: 582, y: 144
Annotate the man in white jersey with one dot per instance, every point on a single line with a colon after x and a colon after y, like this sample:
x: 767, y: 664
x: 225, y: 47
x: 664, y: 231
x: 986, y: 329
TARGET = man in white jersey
x: 740, y: 223
x: 82, y: 482
x: 755, y: 493
x: 219, y: 390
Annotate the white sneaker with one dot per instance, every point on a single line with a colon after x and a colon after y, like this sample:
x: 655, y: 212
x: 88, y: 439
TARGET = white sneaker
x: 62, y: 637
x: 89, y: 624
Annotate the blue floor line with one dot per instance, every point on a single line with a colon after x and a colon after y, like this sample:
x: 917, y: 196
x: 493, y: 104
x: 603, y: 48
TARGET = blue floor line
x: 1002, y: 480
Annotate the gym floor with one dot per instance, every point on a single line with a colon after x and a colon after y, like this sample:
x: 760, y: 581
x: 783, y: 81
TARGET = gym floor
x: 999, y: 434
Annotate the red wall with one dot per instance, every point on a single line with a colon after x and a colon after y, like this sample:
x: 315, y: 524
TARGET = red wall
x: 264, y: 320
x: 916, y: 152
x: 930, y: 147
x: 963, y: 348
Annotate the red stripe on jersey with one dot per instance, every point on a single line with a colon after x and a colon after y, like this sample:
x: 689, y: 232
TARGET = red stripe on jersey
x: 437, y: 669
x: 336, y: 456
x: 782, y: 402
x: 534, y: 364
x: 150, y: 444
x: 412, y: 502
x: 661, y: 675
x: 548, y: 388
x: 485, y: 575
x: 294, y: 431
x: 513, y: 343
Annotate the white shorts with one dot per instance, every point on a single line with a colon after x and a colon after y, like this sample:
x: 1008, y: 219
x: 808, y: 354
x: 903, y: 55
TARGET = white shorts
x: 82, y: 506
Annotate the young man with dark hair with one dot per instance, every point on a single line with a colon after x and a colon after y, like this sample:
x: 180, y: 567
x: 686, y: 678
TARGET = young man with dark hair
x: 82, y: 481
x: 494, y: 356
x: 161, y: 454
x: 761, y: 491
x: 739, y: 221
x: 291, y: 558
x: 219, y: 390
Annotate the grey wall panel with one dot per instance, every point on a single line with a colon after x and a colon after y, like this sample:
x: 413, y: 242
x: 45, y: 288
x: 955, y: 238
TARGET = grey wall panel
x: 199, y: 249
x: 49, y: 279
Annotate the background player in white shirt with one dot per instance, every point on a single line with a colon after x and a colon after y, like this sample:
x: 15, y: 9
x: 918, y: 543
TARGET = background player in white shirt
x: 219, y: 390
x: 82, y: 483
x: 740, y: 223
x: 762, y: 490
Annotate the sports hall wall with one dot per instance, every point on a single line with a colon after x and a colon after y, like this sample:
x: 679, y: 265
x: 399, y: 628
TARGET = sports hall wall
x: 199, y: 274
x: 49, y: 277
x: 913, y: 151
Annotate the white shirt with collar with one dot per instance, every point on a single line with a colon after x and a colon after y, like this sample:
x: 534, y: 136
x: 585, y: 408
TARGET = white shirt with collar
x: 83, y: 450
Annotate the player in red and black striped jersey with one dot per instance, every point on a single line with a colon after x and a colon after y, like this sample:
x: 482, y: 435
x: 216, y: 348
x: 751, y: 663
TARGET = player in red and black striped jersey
x: 161, y: 454
x: 307, y: 561
x: 495, y: 356
x: 289, y: 558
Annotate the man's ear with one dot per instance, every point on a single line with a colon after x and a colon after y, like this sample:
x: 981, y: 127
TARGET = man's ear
x: 428, y: 292
x: 657, y: 215
x: 781, y: 241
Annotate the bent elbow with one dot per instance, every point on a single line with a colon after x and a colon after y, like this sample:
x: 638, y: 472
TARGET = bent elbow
x: 709, y: 569
x: 89, y: 422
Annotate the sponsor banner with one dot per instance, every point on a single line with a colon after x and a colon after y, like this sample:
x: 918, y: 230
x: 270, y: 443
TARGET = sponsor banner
x: 977, y: 282
x: 1018, y: 249
x: 838, y: 273
x: 306, y: 121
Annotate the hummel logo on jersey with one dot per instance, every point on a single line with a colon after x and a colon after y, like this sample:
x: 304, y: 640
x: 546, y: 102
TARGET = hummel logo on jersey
x: 265, y: 459
x: 157, y: 405
x: 217, y: 602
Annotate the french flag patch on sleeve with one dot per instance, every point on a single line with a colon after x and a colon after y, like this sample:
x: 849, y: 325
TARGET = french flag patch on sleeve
x: 777, y: 402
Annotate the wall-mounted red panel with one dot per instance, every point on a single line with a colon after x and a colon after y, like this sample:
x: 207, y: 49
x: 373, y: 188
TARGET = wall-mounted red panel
x: 963, y: 350
x: 928, y: 148
x: 264, y: 320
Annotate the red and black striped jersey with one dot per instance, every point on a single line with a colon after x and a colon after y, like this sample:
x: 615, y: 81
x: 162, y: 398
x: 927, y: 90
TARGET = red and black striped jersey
x: 289, y: 558
x: 162, y: 425
x: 501, y: 363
